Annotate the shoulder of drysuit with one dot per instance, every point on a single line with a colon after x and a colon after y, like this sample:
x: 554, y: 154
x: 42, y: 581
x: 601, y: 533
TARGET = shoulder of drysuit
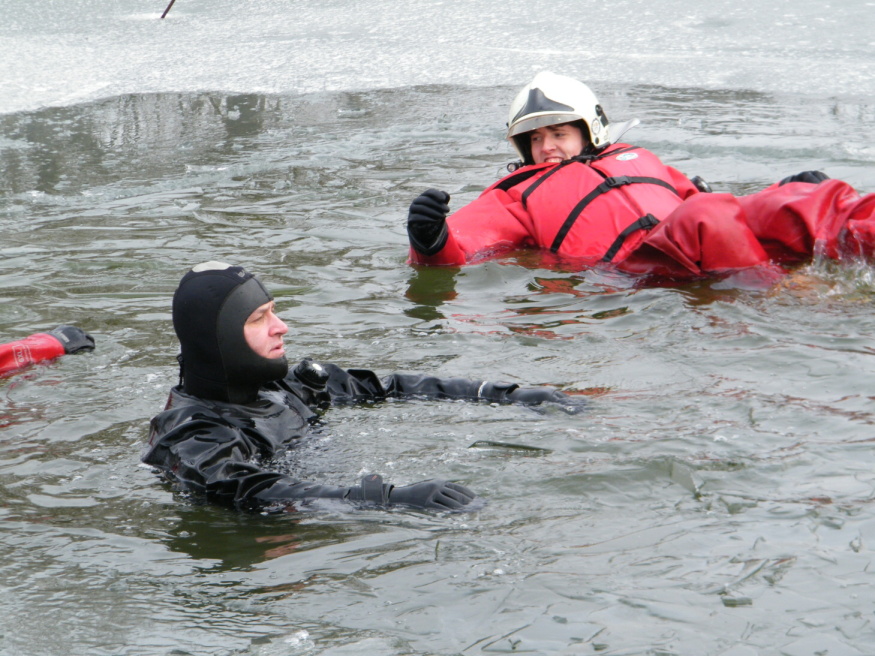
x: 619, y: 152
x: 265, y: 426
x: 274, y: 401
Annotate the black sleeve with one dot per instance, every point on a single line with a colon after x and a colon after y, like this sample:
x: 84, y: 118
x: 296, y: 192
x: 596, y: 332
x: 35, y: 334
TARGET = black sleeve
x: 406, y: 386
x: 346, y: 386
x: 430, y: 387
x: 363, y: 385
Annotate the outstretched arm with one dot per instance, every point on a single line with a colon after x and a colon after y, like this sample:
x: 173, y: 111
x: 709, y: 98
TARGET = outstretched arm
x: 43, y: 346
x: 431, y: 387
x: 220, y: 462
x: 363, y: 385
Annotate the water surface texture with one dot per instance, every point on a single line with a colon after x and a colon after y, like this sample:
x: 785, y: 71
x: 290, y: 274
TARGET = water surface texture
x: 716, y: 500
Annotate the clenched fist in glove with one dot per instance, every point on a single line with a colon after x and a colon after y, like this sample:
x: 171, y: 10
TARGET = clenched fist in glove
x: 427, y: 221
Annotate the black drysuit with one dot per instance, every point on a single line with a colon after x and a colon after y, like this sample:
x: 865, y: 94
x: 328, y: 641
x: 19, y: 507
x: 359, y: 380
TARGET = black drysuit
x: 218, y: 449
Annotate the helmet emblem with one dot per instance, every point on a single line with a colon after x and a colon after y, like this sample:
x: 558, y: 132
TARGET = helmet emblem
x: 596, y: 126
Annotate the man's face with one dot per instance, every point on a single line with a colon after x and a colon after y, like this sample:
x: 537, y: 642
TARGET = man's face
x: 556, y: 143
x: 264, y: 332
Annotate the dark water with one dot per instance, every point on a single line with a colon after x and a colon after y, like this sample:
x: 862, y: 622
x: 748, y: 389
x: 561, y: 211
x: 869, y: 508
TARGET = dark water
x: 716, y: 500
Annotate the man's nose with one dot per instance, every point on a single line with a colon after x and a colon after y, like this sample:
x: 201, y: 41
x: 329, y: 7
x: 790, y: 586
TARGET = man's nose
x: 279, y: 327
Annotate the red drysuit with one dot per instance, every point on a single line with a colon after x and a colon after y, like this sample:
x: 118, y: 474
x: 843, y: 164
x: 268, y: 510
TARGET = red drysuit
x: 628, y: 209
x: 19, y: 354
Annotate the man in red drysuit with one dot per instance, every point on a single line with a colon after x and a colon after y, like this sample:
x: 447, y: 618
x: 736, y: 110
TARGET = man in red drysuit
x: 592, y: 200
x: 43, y: 346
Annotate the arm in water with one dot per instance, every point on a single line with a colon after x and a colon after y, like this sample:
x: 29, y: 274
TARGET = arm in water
x: 43, y: 346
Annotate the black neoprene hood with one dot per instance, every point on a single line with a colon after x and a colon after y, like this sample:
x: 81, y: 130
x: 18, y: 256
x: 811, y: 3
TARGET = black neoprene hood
x: 210, y: 308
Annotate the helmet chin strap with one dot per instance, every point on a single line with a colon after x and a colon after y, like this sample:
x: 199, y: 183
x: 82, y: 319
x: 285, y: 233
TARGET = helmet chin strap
x: 588, y: 154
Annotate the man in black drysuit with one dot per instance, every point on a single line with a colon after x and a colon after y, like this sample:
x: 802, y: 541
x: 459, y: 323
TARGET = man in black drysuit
x: 238, y: 405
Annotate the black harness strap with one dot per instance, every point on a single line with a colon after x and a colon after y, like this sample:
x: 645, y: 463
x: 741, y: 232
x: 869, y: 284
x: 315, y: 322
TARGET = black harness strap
x: 603, y: 188
x: 515, y: 179
x: 580, y: 159
x: 540, y: 181
x: 646, y: 222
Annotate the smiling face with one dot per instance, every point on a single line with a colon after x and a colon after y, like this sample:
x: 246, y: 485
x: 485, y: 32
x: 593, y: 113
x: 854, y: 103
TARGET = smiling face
x: 264, y: 332
x: 556, y: 143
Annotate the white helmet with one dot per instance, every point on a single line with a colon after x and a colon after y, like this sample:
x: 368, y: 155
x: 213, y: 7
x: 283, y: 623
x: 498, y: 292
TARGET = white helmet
x: 552, y: 99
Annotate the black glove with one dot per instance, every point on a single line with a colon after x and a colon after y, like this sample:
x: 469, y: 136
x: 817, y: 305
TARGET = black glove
x: 497, y: 392
x: 539, y: 395
x: 814, y: 177
x: 73, y: 339
x: 427, y: 221
x: 441, y: 495
x: 700, y: 184
x: 438, y: 494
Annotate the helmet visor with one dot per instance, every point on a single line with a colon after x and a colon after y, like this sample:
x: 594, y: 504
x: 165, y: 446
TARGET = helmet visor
x: 535, y: 121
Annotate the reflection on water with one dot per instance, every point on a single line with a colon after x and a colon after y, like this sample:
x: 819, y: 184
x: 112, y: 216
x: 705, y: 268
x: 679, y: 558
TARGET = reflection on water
x: 717, y: 498
x: 150, y: 137
x: 67, y: 150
